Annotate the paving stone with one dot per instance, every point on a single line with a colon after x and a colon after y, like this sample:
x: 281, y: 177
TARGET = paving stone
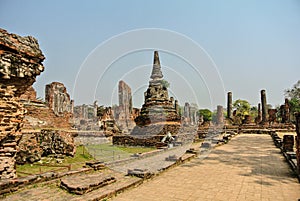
x: 249, y: 167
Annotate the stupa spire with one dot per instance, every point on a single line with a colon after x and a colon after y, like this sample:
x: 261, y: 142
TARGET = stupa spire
x: 156, y: 70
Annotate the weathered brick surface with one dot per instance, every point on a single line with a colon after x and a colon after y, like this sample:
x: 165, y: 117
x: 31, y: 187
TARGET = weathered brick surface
x: 288, y: 143
x: 298, y: 141
x: 33, y: 145
x: 38, y: 117
x: 58, y: 99
x: 124, y: 114
x: 20, y: 63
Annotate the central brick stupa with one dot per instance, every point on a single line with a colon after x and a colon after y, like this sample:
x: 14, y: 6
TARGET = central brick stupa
x: 159, y: 114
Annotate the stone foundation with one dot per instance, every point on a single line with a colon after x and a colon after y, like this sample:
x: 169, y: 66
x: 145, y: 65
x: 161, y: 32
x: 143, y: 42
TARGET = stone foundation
x: 155, y: 129
x: 127, y: 140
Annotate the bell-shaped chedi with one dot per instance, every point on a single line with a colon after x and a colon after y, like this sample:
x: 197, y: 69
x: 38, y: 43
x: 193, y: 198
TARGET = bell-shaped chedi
x: 158, y: 109
x: 20, y: 63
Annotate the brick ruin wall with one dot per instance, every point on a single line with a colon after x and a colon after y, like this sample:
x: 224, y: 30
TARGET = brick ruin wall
x: 57, y: 98
x: 43, y: 117
x: 20, y: 63
x: 298, y: 141
x: 29, y: 95
x: 39, y: 116
x: 34, y: 145
x: 127, y: 140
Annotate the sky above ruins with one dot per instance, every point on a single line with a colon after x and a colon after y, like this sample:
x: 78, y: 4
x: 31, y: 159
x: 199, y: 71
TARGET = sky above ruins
x: 207, y: 48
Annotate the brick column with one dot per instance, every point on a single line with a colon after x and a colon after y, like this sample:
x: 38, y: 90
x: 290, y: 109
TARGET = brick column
x: 264, y: 106
x: 229, y: 105
x: 220, y: 116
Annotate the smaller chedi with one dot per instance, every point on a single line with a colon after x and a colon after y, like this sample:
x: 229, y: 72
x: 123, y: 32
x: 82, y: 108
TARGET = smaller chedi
x: 159, y: 114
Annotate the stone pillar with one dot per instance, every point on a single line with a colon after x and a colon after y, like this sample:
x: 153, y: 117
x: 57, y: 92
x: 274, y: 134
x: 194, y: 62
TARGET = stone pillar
x: 20, y: 63
x: 264, y: 106
x: 95, y: 107
x: 229, y: 105
x: 72, y: 106
x: 298, y: 142
x: 220, y: 116
x: 186, y: 113
x: 285, y: 111
x: 258, y: 118
x: 177, y: 107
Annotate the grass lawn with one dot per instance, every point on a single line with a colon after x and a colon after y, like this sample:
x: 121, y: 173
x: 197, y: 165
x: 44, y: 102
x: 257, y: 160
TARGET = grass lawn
x: 109, y: 152
x: 76, y: 162
x: 102, y: 152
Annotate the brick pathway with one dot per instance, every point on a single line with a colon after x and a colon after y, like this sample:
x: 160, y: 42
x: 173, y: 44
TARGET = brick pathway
x: 248, y: 168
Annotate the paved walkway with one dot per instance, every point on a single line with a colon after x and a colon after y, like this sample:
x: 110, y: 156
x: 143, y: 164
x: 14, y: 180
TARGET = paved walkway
x: 248, y: 168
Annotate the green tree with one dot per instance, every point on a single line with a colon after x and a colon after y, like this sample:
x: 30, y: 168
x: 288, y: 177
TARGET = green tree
x: 242, y: 108
x: 206, y: 113
x: 294, y: 92
x: 165, y: 83
x: 293, y: 95
x: 253, y: 112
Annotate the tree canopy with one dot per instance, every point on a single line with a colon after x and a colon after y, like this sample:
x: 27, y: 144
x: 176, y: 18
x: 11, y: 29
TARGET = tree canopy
x: 242, y: 107
x: 165, y: 83
x: 206, y: 113
x: 293, y: 95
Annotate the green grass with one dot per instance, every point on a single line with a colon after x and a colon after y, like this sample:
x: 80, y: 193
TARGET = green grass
x: 109, y: 152
x: 102, y: 152
x: 76, y: 162
x: 133, y: 150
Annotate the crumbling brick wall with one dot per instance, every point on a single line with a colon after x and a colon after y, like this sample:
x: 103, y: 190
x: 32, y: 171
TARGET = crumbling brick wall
x: 34, y: 145
x: 298, y: 141
x: 20, y: 63
x: 58, y: 99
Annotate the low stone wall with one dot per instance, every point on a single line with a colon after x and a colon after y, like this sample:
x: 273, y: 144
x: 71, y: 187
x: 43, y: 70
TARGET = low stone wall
x: 34, y: 145
x: 298, y: 142
x: 128, y: 140
x: 91, y: 138
x: 286, y: 146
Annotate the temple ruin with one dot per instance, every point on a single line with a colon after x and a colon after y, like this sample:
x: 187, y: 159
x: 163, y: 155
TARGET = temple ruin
x: 159, y: 114
x: 85, y: 116
x: 190, y: 116
x: 20, y: 62
x: 58, y: 99
x: 124, y: 113
x: 158, y: 109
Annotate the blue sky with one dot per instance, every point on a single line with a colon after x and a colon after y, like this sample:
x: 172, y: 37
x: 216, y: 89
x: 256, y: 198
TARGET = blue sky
x: 254, y: 44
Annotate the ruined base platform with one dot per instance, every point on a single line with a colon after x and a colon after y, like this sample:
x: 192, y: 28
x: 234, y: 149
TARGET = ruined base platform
x: 156, y: 129
x: 86, y: 183
x: 137, y: 140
